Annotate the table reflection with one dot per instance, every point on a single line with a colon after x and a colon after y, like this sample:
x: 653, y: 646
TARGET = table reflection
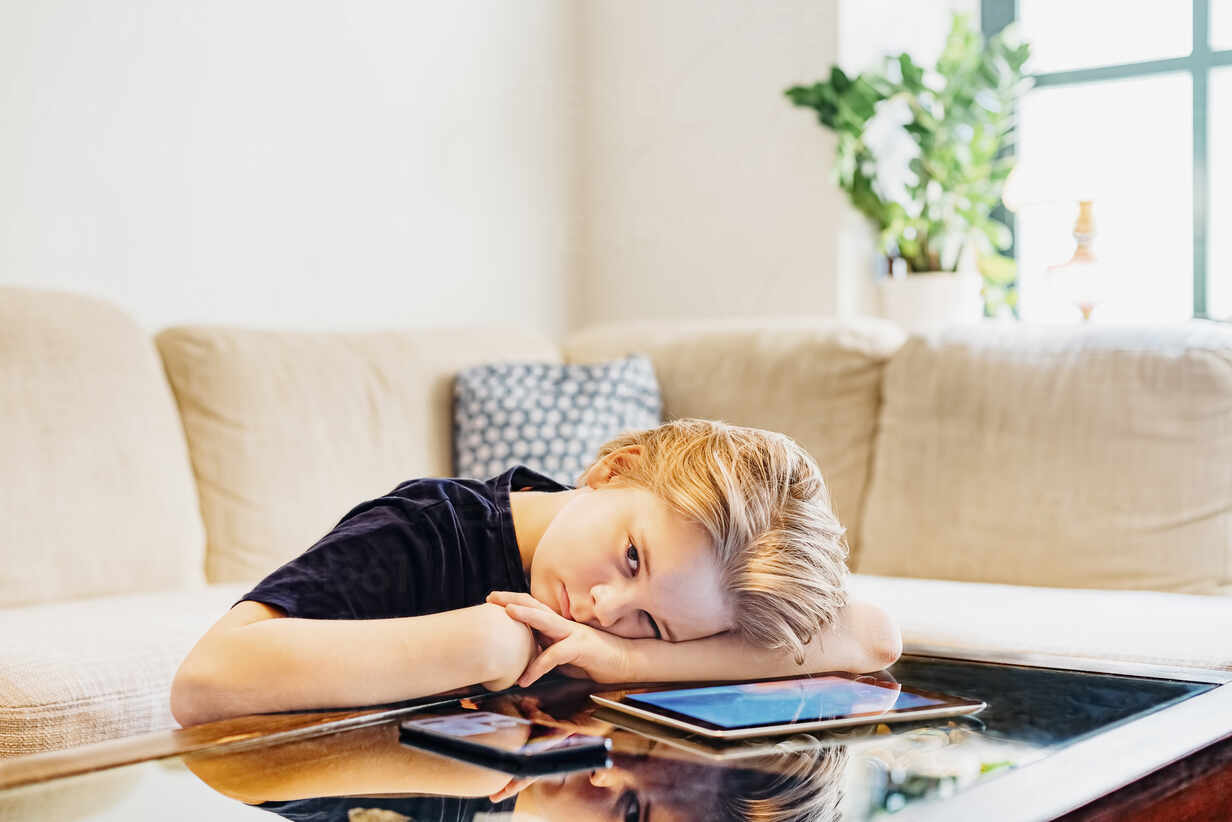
x: 855, y: 774
x: 367, y: 774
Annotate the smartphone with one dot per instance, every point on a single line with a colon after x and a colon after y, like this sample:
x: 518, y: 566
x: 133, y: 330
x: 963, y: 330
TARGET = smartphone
x: 509, y: 744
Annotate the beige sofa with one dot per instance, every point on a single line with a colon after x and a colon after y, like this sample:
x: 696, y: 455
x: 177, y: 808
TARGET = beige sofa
x: 1006, y: 488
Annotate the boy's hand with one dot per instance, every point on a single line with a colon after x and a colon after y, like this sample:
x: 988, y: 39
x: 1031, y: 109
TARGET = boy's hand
x: 578, y: 649
x: 513, y: 647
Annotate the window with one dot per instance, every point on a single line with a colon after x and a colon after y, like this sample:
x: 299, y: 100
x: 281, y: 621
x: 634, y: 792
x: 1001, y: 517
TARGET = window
x: 1133, y: 104
x: 1219, y: 170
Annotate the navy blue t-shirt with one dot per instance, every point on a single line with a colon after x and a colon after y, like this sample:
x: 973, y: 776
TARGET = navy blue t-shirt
x: 429, y: 545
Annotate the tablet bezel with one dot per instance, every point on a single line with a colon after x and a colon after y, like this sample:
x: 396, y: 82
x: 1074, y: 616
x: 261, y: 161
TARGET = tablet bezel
x: 951, y: 706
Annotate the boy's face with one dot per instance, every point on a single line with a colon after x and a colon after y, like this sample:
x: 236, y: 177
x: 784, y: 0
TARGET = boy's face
x: 618, y: 558
x: 647, y: 790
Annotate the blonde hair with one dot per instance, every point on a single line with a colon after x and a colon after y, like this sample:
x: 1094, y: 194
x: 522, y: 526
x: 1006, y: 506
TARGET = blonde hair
x: 806, y: 786
x: 781, y: 550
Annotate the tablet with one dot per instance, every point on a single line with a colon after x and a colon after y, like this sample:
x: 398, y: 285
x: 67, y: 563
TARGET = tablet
x: 717, y: 750
x: 785, y: 706
x: 729, y: 750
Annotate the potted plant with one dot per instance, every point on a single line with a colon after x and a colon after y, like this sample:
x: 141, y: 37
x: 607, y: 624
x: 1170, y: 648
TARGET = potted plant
x: 921, y: 154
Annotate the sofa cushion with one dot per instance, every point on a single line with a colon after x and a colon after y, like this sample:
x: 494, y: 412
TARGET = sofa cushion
x: 973, y: 619
x: 815, y: 379
x: 550, y: 417
x: 96, y: 492
x: 94, y: 669
x: 1083, y: 457
x: 289, y: 430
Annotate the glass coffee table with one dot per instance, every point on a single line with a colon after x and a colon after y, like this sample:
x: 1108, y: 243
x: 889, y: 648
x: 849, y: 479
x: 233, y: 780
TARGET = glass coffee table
x: 1051, y: 741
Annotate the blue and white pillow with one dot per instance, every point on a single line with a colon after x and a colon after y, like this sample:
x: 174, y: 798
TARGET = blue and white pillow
x: 547, y: 416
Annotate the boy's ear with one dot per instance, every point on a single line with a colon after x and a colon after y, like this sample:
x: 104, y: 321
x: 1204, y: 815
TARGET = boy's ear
x: 613, y: 465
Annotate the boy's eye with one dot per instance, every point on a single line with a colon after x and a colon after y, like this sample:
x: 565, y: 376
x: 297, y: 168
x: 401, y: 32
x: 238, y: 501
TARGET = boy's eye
x: 635, y: 564
x: 632, y: 555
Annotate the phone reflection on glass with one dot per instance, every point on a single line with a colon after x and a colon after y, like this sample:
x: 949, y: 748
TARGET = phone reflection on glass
x: 506, y: 743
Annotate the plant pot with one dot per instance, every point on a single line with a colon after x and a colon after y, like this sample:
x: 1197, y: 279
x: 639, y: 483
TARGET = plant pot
x: 930, y: 300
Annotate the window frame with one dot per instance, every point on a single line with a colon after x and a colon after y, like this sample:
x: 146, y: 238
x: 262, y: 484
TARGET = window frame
x: 996, y: 14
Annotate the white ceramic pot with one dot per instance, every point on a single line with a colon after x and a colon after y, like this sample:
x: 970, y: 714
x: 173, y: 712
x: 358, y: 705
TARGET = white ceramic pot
x: 930, y: 300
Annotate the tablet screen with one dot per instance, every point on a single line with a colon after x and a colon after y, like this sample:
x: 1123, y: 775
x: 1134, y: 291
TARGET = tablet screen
x: 774, y: 703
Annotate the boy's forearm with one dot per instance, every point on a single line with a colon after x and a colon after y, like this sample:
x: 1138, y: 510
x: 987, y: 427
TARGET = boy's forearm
x: 288, y: 663
x: 864, y: 638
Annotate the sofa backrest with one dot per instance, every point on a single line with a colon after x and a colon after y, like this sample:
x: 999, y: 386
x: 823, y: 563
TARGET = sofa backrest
x: 96, y: 492
x: 1086, y: 457
x: 288, y: 430
x: 816, y: 379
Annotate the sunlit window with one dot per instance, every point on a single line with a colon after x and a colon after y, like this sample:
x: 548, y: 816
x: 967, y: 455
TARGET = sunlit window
x: 1219, y: 248
x: 1074, y: 34
x: 1139, y: 172
x: 1221, y: 24
x: 1112, y: 119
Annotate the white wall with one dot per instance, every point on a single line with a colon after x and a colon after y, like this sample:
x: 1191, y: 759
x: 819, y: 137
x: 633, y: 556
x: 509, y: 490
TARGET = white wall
x: 869, y: 29
x: 365, y: 163
x: 371, y: 163
x: 705, y: 191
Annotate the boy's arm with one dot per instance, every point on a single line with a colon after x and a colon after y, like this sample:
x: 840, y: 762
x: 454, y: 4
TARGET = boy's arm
x: 863, y: 638
x: 255, y: 660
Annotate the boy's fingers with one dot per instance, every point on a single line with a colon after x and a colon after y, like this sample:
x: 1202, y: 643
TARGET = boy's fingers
x: 549, y: 623
x: 530, y: 602
x: 534, y: 670
x: 511, y: 596
x: 517, y: 598
x: 558, y: 654
x: 501, y: 597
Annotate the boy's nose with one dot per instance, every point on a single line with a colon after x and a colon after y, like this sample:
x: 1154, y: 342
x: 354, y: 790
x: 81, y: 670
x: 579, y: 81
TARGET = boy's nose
x: 608, y: 605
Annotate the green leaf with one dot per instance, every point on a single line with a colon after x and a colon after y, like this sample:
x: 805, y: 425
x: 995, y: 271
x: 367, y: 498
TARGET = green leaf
x: 997, y: 268
x: 913, y: 75
x: 839, y: 80
x: 964, y: 130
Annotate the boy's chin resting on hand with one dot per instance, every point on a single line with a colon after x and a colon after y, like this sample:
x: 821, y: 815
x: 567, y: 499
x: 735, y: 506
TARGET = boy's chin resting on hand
x: 578, y: 650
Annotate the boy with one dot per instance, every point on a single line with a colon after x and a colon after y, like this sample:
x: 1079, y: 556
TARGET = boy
x: 695, y: 550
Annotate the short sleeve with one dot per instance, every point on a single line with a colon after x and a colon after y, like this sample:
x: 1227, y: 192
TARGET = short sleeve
x: 431, y: 544
x: 362, y: 569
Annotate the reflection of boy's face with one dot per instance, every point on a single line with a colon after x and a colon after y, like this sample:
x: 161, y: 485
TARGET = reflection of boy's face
x: 618, y: 558
x: 630, y: 791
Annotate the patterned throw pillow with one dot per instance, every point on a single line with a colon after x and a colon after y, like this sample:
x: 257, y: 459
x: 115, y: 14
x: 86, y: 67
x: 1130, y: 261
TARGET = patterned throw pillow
x: 547, y: 416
